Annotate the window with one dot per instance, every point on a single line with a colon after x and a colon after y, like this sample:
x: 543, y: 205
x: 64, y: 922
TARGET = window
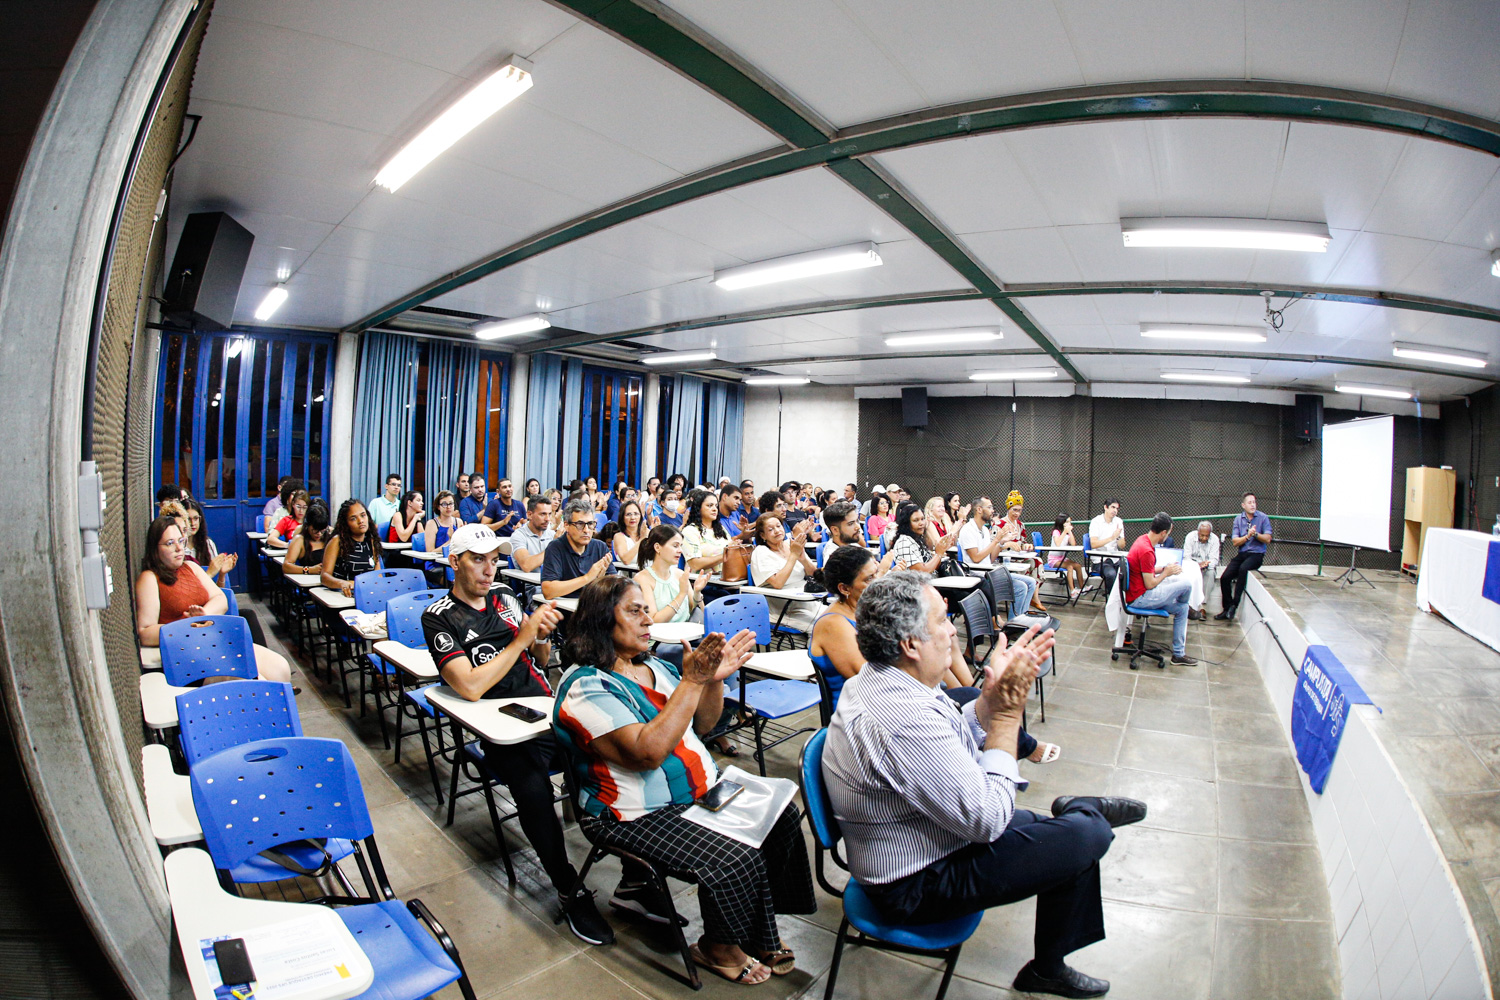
x: 491, y: 420
x: 610, y: 438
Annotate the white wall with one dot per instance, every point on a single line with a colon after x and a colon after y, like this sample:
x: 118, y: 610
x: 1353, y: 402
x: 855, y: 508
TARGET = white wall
x: 817, y: 442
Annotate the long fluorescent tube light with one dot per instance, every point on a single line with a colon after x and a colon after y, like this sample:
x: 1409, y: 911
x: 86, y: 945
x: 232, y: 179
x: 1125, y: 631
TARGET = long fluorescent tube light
x: 1206, y: 334
x: 799, y: 265
x: 678, y: 357
x: 922, y: 339
x: 272, y: 302
x: 1373, y: 390
x: 1014, y: 375
x: 777, y: 380
x: 1441, y: 355
x: 491, y: 94
x: 512, y: 327
x: 1234, y: 234
x: 1205, y: 377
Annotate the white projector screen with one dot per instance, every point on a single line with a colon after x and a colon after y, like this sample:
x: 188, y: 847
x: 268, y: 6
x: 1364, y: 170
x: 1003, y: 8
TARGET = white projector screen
x: 1357, y: 483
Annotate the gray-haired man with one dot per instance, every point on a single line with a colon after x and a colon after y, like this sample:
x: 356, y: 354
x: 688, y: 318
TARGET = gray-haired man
x: 1202, y: 550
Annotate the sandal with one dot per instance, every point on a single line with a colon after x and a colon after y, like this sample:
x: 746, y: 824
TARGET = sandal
x: 729, y: 972
x: 1049, y: 752
x: 781, y: 962
x: 726, y: 748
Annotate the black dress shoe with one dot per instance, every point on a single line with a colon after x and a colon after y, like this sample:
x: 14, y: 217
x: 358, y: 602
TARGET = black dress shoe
x: 1223, y: 616
x: 1071, y: 983
x: 1118, y: 811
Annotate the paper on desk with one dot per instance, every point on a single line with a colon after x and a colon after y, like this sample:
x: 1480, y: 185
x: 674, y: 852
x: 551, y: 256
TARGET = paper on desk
x: 750, y: 815
x: 369, y: 626
x: 290, y: 959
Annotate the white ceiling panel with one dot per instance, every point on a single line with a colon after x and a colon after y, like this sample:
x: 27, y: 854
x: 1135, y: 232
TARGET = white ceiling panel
x: 1334, y: 175
x: 1433, y: 187
x: 1296, y: 40
x: 1022, y: 256
x: 974, y: 184
x: 1216, y: 168
x: 1447, y: 56
x: 1185, y: 39
x: 1087, y: 174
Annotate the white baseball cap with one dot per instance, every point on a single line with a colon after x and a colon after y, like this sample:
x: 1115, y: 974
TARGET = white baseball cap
x: 892, y: 488
x: 473, y: 538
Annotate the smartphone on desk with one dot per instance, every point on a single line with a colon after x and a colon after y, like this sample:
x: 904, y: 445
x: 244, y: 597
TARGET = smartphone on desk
x: 719, y: 796
x: 522, y: 712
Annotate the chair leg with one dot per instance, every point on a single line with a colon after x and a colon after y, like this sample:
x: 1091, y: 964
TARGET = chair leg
x: 760, y: 749
x: 948, y: 971
x: 437, y: 788
x: 1041, y: 690
x: 838, y: 954
x: 489, y: 800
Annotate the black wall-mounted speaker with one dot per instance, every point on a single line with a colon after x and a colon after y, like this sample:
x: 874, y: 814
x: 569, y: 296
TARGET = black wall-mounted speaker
x: 204, y: 282
x: 1307, y: 419
x: 914, y: 407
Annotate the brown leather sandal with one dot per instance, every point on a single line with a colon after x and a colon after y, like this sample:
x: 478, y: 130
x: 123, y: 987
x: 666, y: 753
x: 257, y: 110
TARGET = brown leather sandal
x: 734, y: 975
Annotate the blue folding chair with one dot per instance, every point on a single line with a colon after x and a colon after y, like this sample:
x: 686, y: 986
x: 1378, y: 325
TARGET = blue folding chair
x: 1138, y: 648
x: 403, y: 623
x: 1036, y: 539
x: 260, y: 523
x: 383, y: 530
x: 941, y: 940
x: 373, y: 589
x: 765, y: 700
x: 264, y: 795
x: 600, y: 520
x: 234, y: 605
x: 208, y: 646
x: 219, y: 716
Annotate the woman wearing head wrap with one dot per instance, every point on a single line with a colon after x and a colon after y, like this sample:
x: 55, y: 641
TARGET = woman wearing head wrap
x: 1012, y: 535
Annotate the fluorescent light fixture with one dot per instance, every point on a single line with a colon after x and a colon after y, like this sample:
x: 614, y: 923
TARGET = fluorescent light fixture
x: 798, y: 265
x: 923, y: 338
x: 777, y: 380
x: 272, y: 302
x: 1204, y: 334
x: 1013, y: 375
x: 491, y: 94
x: 512, y: 327
x: 1234, y: 234
x: 678, y: 357
x: 1372, y: 390
x: 1205, y: 377
x: 1439, y: 354
x: 236, y: 346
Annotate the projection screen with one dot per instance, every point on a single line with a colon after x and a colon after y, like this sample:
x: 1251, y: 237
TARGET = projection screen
x: 1357, y: 483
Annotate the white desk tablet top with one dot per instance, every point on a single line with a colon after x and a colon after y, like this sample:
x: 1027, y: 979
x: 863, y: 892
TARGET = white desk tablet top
x: 304, y: 580
x: 484, y: 719
x: 783, y: 595
x: 415, y: 663
x: 395, y: 546
x: 333, y: 600
x: 533, y: 577
x: 676, y: 631
x: 956, y: 582
x: 159, y: 700
x: 786, y: 664
x: 169, y: 799
x: 150, y: 657
x: 255, y: 535
x: 426, y: 555
x: 304, y: 939
x: 1108, y: 552
x: 565, y: 604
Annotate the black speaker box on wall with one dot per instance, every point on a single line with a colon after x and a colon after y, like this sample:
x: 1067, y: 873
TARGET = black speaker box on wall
x: 1308, y: 418
x: 204, y: 282
x: 914, y: 407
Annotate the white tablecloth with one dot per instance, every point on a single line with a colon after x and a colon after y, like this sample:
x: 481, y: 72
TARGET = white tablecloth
x: 1450, y: 579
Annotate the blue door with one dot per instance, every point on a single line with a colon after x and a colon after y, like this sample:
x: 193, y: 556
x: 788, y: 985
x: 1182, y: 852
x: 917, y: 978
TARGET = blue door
x: 610, y: 438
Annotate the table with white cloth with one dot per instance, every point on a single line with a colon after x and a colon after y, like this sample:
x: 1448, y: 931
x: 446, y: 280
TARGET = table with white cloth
x: 1450, y: 581
x: 1194, y: 578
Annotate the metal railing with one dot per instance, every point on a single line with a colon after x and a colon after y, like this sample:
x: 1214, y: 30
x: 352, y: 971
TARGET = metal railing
x: 1195, y: 518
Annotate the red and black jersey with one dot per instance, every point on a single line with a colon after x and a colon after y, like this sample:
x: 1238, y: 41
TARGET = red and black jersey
x: 453, y: 628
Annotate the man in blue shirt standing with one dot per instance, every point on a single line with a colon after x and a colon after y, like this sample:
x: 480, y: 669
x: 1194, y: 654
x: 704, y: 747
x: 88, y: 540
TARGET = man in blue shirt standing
x: 471, y: 507
x: 1251, y: 532
x: 505, y: 513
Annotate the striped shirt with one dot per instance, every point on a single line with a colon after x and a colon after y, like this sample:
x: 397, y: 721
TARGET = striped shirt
x: 907, y: 776
x: 592, y: 703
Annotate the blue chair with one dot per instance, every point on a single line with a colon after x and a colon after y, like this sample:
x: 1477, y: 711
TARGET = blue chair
x: 260, y: 523
x: 208, y: 646
x: 600, y: 520
x: 219, y: 716
x: 263, y: 795
x: 383, y: 530
x: 1138, y: 648
x: 1036, y: 539
x: 941, y: 940
x: 373, y: 589
x: 403, y: 623
x: 765, y: 700
x: 234, y: 605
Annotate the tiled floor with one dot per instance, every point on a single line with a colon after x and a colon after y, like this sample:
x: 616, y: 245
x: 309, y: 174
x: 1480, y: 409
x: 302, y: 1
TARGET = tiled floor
x: 1439, y: 695
x: 1219, y: 893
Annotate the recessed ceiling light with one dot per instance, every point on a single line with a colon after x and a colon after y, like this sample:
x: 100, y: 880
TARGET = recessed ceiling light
x: 1013, y: 375
x: 1205, y: 377
x: 1200, y: 332
x: 777, y: 380
x: 488, y: 96
x: 272, y: 302
x: 1234, y: 234
x: 1439, y: 354
x: 799, y: 265
x: 512, y: 327
x: 678, y: 357
x: 922, y: 338
x: 1373, y: 390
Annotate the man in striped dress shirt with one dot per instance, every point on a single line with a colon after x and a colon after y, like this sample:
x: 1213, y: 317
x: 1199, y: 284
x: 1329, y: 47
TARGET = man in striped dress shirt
x: 925, y: 792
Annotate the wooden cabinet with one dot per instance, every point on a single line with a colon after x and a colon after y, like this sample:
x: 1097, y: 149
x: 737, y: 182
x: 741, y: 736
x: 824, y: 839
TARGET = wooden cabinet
x: 1429, y: 504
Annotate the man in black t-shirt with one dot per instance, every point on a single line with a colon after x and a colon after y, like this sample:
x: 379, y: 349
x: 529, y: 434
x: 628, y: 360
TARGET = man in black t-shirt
x: 577, y: 559
x: 486, y: 648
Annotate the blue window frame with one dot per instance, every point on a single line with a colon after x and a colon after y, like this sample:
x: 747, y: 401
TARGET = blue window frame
x: 610, y: 438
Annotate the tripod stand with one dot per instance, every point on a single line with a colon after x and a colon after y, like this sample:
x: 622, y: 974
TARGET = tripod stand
x: 1352, y: 574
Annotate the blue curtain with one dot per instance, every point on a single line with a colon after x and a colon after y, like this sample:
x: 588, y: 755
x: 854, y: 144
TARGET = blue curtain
x: 572, y: 414
x: 725, y: 437
x: 452, y: 395
x: 383, y: 415
x: 686, y: 430
x: 543, y: 399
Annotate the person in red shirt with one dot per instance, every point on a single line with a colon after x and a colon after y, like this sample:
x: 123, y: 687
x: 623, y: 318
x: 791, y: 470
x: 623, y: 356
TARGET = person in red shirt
x: 1165, y: 589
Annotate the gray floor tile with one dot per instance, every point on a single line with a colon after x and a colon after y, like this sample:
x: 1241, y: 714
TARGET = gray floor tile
x: 1283, y: 881
x: 1256, y: 765
x: 582, y: 975
x: 1248, y: 727
x: 1448, y: 762
x: 414, y: 850
x: 1304, y: 966
x: 1152, y: 952
x: 1161, y: 868
x: 1081, y: 741
x: 1170, y: 717
x: 1240, y: 697
x: 1263, y: 813
x: 1476, y: 818
x: 1186, y: 805
x: 1168, y: 753
x: 1067, y: 701
x: 1179, y: 691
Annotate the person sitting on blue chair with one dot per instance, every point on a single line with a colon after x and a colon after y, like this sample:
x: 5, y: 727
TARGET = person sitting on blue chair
x: 1165, y: 589
x: 926, y: 793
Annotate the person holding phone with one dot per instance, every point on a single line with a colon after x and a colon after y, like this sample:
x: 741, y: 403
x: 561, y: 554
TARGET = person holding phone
x: 484, y: 647
x: 632, y: 726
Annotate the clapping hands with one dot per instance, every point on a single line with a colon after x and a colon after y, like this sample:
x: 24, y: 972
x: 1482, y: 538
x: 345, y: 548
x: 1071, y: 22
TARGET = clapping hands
x: 716, y: 657
x: 1010, y: 673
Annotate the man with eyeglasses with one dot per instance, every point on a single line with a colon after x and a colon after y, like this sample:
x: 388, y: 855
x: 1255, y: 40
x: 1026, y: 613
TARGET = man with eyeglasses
x: 577, y: 559
x: 384, y: 506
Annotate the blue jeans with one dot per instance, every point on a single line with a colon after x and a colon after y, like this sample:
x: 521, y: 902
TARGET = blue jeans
x: 1024, y: 588
x: 1171, y: 595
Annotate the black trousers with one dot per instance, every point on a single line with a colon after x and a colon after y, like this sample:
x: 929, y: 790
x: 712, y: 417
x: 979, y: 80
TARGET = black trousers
x: 1055, y: 859
x: 1108, y: 570
x: 525, y: 768
x: 1232, y: 583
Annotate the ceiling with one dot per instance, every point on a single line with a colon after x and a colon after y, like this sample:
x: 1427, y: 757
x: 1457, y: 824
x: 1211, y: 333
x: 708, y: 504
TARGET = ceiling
x: 661, y: 142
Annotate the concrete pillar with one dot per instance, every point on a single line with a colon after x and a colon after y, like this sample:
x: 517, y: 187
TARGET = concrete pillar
x: 650, y: 426
x: 515, y: 441
x: 341, y: 425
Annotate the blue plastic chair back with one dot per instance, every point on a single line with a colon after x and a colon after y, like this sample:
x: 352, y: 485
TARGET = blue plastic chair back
x: 403, y: 617
x: 373, y: 589
x: 220, y: 716
x: 234, y: 605
x: 419, y: 541
x: 260, y: 522
x: 209, y: 646
x: 1086, y: 545
x: 260, y: 795
x: 383, y: 530
x: 815, y: 791
x: 1036, y: 539
x: 600, y: 520
x: 737, y: 611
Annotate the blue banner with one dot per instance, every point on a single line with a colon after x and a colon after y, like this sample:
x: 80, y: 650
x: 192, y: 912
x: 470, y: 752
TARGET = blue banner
x: 1492, y: 573
x: 1320, y: 708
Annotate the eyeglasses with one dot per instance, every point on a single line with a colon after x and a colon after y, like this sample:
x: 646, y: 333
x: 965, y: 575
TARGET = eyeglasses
x: 445, y: 503
x: 180, y: 543
x: 590, y: 525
